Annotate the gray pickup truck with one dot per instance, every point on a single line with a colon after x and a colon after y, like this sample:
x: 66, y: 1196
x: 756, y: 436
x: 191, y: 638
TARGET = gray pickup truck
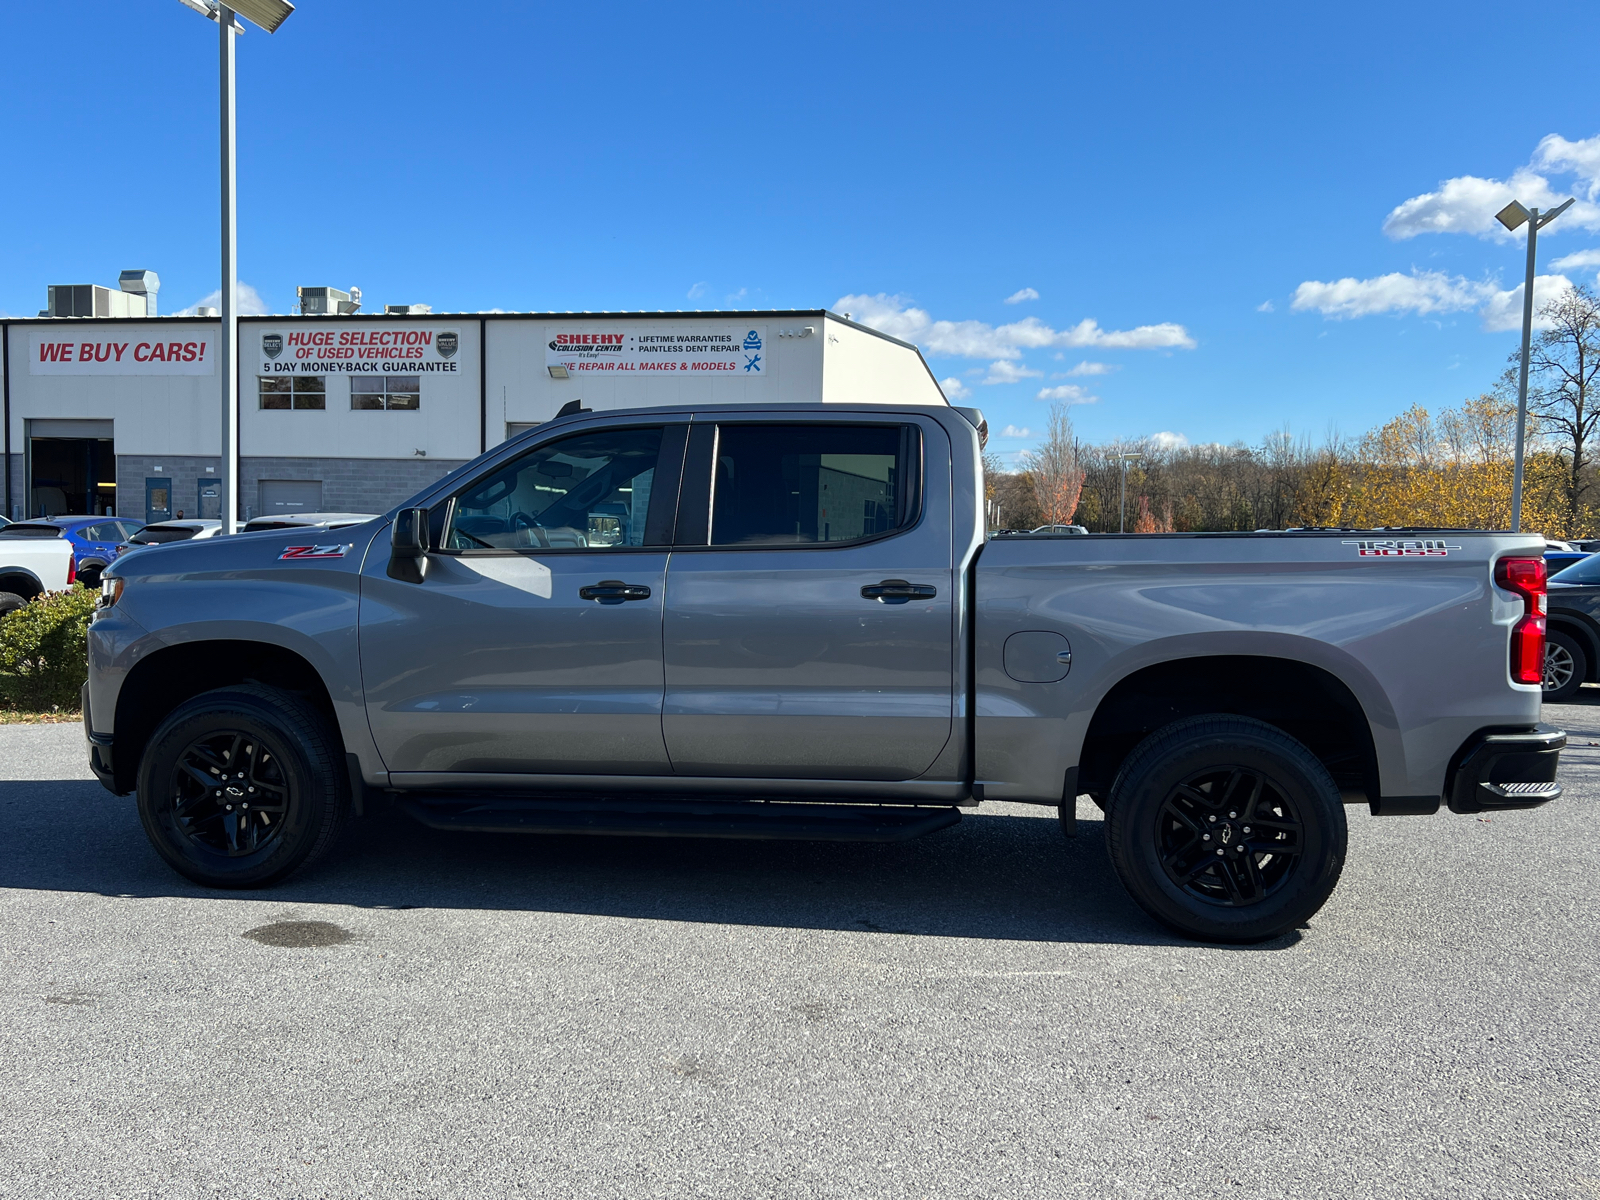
x: 786, y: 622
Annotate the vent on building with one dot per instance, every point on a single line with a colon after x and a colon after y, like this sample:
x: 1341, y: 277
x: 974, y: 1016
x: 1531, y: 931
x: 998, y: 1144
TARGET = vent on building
x: 323, y: 301
x: 141, y: 283
x: 407, y: 310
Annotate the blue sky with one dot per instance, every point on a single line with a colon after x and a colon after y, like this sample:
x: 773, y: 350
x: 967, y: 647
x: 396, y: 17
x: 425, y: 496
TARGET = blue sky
x: 1169, y: 194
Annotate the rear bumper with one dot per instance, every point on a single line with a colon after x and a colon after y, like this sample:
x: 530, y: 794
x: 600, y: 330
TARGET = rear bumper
x: 99, y: 748
x: 1498, y: 770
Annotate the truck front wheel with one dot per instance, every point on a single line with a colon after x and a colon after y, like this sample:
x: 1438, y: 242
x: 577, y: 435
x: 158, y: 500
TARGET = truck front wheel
x: 1226, y: 829
x: 240, y: 786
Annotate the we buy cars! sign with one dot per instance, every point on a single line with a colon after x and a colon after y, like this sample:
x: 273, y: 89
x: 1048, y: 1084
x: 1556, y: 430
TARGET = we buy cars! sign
x: 146, y: 352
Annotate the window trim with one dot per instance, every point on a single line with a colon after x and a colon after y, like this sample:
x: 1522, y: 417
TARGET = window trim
x: 438, y: 526
x: 697, y: 494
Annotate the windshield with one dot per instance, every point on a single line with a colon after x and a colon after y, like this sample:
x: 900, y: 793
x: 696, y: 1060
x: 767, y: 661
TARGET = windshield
x: 1585, y: 570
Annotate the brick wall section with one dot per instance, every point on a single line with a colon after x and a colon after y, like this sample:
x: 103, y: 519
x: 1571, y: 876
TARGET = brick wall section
x: 18, y: 483
x: 183, y: 472
x: 371, y: 485
x: 367, y: 485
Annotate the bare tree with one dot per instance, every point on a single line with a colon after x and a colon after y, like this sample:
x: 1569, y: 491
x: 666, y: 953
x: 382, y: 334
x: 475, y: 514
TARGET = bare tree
x: 1562, y: 389
x: 1057, y: 477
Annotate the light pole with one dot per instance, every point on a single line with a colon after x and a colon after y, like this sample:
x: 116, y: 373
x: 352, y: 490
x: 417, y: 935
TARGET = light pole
x: 1122, y: 507
x: 268, y: 14
x: 1512, y: 216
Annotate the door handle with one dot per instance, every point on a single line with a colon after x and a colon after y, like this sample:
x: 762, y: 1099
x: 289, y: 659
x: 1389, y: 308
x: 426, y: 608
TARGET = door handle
x: 614, y: 591
x: 898, y: 591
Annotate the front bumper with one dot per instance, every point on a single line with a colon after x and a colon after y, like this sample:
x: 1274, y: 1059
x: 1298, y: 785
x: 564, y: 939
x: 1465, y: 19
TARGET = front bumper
x: 99, y: 748
x: 1499, y: 770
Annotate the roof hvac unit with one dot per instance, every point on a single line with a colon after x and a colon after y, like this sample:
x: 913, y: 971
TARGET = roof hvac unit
x: 92, y: 300
x: 323, y: 301
x: 407, y: 310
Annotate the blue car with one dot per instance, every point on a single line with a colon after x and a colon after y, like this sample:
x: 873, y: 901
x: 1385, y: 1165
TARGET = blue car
x: 94, y: 541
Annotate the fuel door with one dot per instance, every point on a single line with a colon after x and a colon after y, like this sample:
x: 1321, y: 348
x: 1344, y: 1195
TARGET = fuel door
x: 1037, y: 656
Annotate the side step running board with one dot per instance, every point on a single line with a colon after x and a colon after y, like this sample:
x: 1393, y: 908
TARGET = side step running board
x: 681, y: 818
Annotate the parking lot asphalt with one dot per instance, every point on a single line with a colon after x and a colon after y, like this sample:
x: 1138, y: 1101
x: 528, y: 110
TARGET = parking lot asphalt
x: 981, y: 1013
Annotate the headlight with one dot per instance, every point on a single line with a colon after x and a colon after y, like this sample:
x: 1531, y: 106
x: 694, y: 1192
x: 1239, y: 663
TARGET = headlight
x: 110, y: 591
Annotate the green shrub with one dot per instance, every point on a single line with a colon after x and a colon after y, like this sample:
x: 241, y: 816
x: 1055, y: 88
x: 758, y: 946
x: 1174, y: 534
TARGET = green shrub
x: 44, y: 651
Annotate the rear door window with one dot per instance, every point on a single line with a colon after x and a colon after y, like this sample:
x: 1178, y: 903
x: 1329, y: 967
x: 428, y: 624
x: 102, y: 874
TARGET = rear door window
x: 794, y: 485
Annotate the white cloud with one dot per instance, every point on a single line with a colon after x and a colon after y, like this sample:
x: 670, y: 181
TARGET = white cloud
x: 1167, y: 440
x: 248, y: 299
x: 1069, y: 393
x: 1419, y: 292
x: 698, y: 290
x: 1088, y: 368
x: 954, y: 389
x: 1423, y: 293
x: 1011, y: 431
x: 1580, y: 261
x: 1582, y: 158
x: 1468, y: 203
x: 1003, y: 371
x: 1265, y: 306
x: 1018, y: 297
x: 976, y: 339
x: 1503, y: 312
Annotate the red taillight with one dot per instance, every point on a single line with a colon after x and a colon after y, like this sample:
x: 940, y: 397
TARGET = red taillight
x: 72, y: 570
x: 1526, y: 577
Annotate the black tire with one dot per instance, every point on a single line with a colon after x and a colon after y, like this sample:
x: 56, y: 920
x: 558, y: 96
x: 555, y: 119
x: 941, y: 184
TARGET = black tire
x: 90, y: 576
x: 10, y: 602
x: 1212, y: 777
x: 1566, y: 666
x: 291, y: 772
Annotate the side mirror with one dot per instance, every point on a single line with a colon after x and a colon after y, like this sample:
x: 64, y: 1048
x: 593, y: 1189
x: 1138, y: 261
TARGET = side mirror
x: 408, y: 545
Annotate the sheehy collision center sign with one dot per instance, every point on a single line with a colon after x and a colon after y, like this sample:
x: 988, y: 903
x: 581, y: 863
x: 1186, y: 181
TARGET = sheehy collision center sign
x: 183, y: 353
x: 727, y: 352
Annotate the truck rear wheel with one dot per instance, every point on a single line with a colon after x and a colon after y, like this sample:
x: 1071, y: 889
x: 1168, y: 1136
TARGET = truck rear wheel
x: 241, y: 786
x: 1226, y: 829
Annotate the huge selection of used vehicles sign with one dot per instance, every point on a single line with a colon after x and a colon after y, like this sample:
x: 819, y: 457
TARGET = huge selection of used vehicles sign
x: 407, y: 348
x: 731, y: 353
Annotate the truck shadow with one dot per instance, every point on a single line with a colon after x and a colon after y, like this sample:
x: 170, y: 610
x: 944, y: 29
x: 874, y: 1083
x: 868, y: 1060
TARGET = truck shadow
x: 996, y: 875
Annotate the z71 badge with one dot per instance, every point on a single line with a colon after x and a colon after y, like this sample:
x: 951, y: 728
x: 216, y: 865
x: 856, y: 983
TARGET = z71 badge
x: 1392, y: 548
x: 335, y: 551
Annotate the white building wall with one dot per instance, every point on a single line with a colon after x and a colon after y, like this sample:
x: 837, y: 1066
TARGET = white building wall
x: 521, y: 390
x: 154, y: 413
x: 445, y: 425
x: 862, y: 367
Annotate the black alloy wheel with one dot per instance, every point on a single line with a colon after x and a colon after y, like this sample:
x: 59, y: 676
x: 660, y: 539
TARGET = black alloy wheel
x: 1228, y: 836
x: 229, y: 795
x: 1226, y: 829
x: 1565, y: 667
x: 240, y: 786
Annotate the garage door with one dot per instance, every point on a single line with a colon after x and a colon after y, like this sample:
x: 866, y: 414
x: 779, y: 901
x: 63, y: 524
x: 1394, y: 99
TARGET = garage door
x: 279, y: 496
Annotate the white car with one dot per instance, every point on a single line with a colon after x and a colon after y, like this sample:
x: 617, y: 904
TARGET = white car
x: 34, y: 559
x: 170, y: 531
x: 307, y: 520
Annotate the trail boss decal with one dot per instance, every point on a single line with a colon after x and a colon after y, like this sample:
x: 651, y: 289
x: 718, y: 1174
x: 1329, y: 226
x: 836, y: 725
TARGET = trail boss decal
x: 334, y: 551
x: 1421, y: 548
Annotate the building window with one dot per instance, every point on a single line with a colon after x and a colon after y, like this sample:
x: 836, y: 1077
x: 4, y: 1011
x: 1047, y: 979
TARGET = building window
x: 394, y: 392
x: 303, y: 391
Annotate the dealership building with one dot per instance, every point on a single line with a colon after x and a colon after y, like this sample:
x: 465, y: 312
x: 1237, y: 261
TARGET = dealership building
x: 111, y: 408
